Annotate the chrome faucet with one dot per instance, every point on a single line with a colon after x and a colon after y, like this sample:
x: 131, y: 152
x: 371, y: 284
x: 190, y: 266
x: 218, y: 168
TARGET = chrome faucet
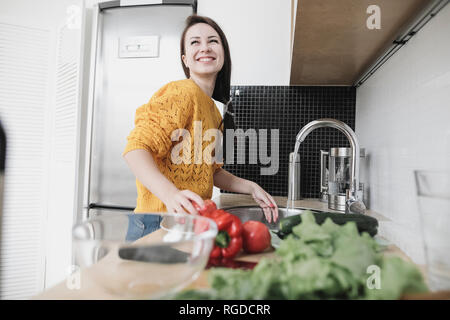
x: 353, y: 201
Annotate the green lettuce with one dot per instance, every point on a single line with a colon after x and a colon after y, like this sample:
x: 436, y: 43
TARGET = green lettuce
x: 325, y: 261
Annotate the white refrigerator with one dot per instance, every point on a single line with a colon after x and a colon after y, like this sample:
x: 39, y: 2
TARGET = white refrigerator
x: 135, y: 50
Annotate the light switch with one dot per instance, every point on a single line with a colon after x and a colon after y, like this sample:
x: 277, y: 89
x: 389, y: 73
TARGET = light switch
x: 139, y: 47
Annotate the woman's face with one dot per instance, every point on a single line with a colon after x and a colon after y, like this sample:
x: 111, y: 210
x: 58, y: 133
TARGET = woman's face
x: 204, y: 54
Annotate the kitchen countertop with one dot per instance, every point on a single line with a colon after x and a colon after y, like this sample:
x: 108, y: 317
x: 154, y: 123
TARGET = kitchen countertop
x: 89, y: 290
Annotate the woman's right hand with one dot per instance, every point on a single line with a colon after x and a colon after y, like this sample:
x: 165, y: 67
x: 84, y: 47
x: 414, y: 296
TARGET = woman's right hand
x: 179, y: 201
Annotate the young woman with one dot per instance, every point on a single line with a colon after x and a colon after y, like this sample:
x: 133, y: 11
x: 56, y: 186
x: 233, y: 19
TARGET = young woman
x: 167, y: 185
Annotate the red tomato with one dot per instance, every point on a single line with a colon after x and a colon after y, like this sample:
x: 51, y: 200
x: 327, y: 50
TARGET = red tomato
x: 209, y: 207
x: 256, y: 236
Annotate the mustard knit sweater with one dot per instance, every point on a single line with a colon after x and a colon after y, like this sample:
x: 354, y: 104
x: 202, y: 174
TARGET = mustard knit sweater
x: 177, y: 105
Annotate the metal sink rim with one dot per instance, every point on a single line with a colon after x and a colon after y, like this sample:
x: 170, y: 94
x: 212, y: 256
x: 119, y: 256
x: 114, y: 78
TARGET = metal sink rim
x: 272, y: 226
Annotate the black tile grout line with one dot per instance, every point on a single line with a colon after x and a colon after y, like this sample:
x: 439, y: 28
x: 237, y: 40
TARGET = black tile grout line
x: 288, y: 109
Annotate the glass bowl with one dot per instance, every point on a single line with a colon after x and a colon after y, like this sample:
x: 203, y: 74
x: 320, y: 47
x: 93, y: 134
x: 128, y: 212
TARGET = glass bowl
x: 116, y: 255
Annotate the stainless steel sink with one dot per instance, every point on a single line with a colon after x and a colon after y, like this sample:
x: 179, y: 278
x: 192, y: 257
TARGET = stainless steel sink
x: 246, y: 213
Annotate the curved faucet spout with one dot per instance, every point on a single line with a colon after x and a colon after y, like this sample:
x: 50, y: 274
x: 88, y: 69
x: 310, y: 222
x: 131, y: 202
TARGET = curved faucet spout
x: 348, y: 132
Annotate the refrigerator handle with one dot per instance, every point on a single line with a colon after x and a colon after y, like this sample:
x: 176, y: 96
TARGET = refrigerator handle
x: 128, y: 3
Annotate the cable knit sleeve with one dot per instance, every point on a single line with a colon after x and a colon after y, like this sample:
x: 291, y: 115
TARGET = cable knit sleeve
x: 169, y: 109
x: 216, y: 166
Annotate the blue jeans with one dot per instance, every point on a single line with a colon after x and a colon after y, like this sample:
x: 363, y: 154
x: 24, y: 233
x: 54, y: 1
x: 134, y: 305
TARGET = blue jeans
x: 140, y: 225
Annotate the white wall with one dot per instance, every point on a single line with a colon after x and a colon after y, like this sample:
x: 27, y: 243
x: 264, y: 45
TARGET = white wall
x: 258, y: 32
x: 403, y: 121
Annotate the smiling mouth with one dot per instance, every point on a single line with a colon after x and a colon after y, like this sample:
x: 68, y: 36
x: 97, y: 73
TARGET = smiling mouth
x: 206, y: 59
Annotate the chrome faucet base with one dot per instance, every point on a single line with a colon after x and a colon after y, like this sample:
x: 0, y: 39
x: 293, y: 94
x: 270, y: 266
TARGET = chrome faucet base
x: 337, y: 202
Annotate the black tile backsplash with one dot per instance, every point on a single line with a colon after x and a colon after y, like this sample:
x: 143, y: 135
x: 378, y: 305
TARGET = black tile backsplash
x: 288, y: 109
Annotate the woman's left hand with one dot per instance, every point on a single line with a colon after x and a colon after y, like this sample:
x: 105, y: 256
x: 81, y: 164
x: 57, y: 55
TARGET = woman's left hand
x: 265, y: 201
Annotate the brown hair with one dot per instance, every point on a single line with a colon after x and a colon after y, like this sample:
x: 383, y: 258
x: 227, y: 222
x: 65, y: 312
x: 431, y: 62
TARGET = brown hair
x: 222, y: 87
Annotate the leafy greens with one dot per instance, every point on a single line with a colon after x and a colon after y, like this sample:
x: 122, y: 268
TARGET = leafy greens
x: 325, y: 261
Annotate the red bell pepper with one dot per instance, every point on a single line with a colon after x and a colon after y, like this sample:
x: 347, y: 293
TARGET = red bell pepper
x: 228, y: 241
